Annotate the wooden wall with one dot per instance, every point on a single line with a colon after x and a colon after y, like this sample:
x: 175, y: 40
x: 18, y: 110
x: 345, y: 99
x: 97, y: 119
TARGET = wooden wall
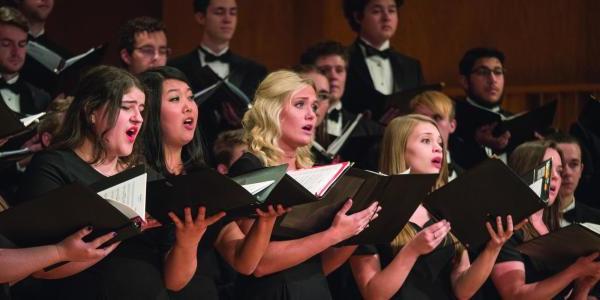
x: 552, y: 47
x: 546, y: 42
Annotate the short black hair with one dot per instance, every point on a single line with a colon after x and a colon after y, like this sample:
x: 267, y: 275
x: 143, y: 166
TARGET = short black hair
x: 134, y: 26
x: 326, y: 48
x: 192, y: 154
x: 305, y: 69
x: 465, y: 66
x: 201, y: 5
x: 357, y: 7
x: 563, y: 138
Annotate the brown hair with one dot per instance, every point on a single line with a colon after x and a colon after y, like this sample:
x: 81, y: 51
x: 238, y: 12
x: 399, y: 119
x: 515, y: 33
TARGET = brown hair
x: 12, y: 16
x: 523, y: 159
x: 101, y: 86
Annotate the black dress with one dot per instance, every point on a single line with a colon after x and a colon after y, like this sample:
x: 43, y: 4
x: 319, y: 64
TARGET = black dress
x: 429, y: 278
x: 210, y: 267
x: 303, y: 281
x: 132, y: 271
x: 534, y: 271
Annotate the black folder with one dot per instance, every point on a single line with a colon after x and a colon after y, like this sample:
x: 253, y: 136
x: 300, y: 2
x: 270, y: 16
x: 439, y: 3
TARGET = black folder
x: 55, y: 215
x: 11, y: 125
x: 488, y: 190
x: 214, y: 191
x: 218, y: 192
x: 562, y: 247
x: 399, y: 103
x: 521, y: 126
x: 398, y: 195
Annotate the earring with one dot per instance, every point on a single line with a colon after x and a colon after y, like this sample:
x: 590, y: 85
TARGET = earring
x: 93, y: 119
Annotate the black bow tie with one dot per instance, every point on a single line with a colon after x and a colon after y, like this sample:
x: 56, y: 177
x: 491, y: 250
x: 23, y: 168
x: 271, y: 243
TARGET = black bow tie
x: 209, y: 57
x: 370, y: 51
x: 334, y: 115
x: 15, y: 87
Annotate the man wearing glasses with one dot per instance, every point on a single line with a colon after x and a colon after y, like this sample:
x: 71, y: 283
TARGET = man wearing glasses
x: 482, y: 77
x: 143, y: 44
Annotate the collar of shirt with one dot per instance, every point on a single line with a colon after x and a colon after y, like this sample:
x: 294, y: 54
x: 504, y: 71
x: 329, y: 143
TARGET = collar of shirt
x: 570, y: 207
x: 220, y: 68
x: 35, y: 36
x: 212, y: 52
x: 384, y: 46
x: 12, y: 80
x: 337, y: 105
x: 495, y: 109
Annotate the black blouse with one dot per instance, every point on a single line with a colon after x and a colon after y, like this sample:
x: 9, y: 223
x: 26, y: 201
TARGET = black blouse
x: 303, y: 281
x: 534, y: 271
x: 430, y: 276
x: 132, y: 271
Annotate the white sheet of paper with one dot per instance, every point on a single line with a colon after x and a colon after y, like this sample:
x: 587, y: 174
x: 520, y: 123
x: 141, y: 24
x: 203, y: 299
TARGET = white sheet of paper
x: 536, y: 186
x: 316, y: 179
x: 33, y: 118
x: 254, y: 188
x: 131, y: 194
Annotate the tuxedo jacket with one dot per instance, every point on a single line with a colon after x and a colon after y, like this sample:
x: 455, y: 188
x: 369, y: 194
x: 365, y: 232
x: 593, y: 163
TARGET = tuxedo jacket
x: 465, y: 150
x: 33, y: 100
x: 366, y: 135
x: 360, y: 93
x: 243, y: 73
x: 582, y: 213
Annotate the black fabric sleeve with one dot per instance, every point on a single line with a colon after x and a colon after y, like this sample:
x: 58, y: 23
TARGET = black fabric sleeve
x: 509, y: 251
x: 365, y: 250
x: 246, y: 163
x: 43, y: 174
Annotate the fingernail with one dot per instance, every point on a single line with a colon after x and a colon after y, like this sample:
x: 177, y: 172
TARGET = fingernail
x: 114, y: 234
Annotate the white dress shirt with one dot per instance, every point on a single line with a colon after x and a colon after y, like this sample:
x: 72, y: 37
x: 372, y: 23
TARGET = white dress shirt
x: 12, y: 100
x: 335, y: 127
x: 380, y: 69
x: 219, y: 67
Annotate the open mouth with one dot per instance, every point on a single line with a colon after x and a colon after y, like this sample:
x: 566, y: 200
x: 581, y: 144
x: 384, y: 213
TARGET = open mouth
x: 131, y: 133
x: 437, y: 162
x: 308, y: 128
x: 188, y: 123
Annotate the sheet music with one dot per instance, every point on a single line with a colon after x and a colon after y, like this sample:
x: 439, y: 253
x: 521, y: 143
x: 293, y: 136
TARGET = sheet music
x: 318, y: 179
x: 537, y: 187
x: 591, y: 226
x: 33, y: 118
x: 50, y: 59
x: 254, y: 188
x: 131, y: 194
x: 75, y: 59
x: 337, y: 144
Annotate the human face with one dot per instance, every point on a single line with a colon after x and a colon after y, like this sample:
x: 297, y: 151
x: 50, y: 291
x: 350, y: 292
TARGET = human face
x: 219, y: 21
x: 424, y: 150
x: 379, y: 21
x: 323, y: 94
x: 178, y: 113
x: 13, y: 43
x: 555, y: 179
x: 444, y: 123
x: 150, y: 50
x: 486, y: 81
x: 334, y: 68
x: 298, y: 119
x: 572, y: 169
x: 37, y: 10
x: 120, y: 138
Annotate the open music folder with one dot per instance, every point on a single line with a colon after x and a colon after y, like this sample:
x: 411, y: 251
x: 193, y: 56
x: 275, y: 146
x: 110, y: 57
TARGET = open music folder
x: 240, y: 196
x: 488, y: 190
x: 116, y: 203
x: 398, y: 195
x: 562, y: 247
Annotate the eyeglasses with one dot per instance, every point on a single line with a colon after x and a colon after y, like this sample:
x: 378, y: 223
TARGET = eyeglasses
x: 150, y: 51
x: 485, y: 72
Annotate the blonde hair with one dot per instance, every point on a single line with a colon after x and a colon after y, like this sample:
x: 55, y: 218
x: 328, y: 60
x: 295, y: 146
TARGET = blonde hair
x: 393, y: 161
x: 261, y: 122
x: 435, y: 101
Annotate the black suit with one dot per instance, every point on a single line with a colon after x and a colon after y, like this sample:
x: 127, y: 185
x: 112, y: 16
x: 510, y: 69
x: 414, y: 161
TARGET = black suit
x: 582, y: 213
x: 243, y: 73
x: 360, y: 93
x: 33, y: 100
